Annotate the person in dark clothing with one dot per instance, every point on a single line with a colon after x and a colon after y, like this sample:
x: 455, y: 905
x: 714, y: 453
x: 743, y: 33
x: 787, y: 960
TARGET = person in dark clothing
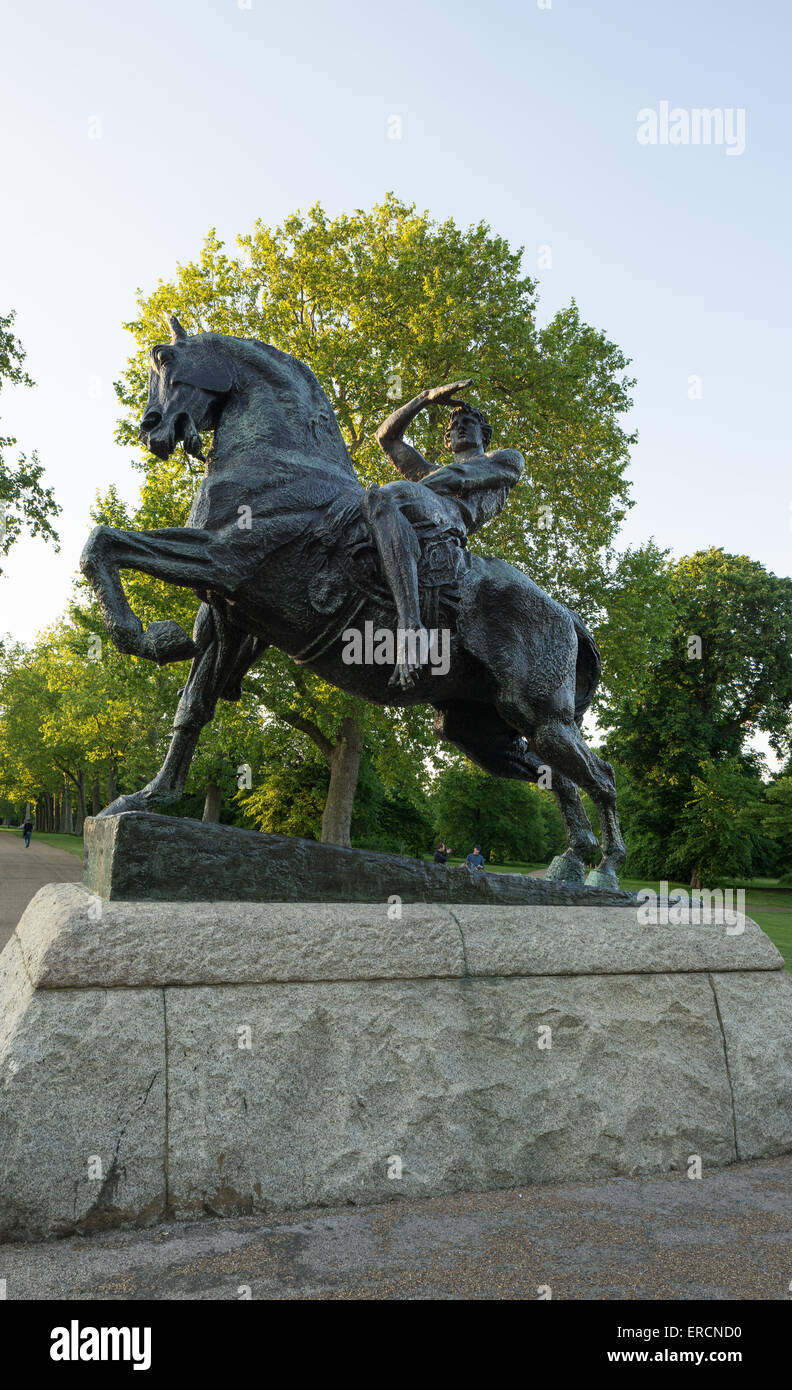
x: 441, y: 854
x: 475, y: 860
x: 27, y: 831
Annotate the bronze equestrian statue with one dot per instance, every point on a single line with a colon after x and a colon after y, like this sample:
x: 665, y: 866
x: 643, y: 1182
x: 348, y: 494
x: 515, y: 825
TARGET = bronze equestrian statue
x: 286, y: 548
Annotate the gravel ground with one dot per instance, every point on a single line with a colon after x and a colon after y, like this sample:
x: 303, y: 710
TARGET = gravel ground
x: 726, y: 1236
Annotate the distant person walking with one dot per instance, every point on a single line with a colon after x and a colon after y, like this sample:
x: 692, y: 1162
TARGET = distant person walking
x: 27, y: 831
x: 441, y: 854
x: 475, y: 859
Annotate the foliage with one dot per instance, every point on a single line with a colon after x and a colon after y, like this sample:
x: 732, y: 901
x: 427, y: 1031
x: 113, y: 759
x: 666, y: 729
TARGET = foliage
x: 777, y: 818
x: 511, y: 820
x: 720, y: 828
x: 722, y: 676
x: 25, y: 504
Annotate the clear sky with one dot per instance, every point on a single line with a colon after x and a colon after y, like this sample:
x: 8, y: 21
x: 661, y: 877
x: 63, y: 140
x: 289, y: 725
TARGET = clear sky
x: 128, y: 129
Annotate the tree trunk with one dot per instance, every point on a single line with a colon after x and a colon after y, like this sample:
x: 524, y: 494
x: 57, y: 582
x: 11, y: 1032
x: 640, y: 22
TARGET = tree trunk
x: 96, y: 797
x: 344, y: 768
x: 82, y: 809
x: 112, y: 790
x: 214, y: 795
x: 67, y: 827
x: 694, y: 879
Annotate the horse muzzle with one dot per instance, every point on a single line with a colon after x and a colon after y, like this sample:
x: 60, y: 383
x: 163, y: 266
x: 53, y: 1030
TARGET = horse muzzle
x: 161, y: 436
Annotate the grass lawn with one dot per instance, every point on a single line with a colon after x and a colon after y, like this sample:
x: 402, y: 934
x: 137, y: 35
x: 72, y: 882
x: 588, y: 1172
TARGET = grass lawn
x: 778, y: 926
x: 73, y: 844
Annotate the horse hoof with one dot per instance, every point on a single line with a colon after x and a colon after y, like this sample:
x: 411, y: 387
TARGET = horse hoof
x: 166, y: 642
x: 136, y: 801
x: 566, y: 868
x: 603, y: 878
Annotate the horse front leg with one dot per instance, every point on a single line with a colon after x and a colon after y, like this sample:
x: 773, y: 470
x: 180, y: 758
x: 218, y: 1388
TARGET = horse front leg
x: 175, y: 556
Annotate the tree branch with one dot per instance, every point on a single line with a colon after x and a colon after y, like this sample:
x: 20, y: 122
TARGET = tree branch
x: 307, y: 726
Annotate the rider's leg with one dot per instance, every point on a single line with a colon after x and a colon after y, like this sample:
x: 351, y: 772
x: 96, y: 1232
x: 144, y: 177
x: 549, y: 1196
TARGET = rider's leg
x: 399, y: 551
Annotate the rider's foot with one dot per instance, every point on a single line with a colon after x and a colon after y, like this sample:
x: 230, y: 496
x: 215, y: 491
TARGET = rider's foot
x: 413, y: 653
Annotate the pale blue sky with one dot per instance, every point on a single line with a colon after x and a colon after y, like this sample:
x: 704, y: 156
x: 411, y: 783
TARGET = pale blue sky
x: 212, y: 114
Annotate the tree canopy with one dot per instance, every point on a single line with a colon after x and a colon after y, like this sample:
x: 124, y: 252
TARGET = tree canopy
x: 25, y: 504
x: 722, y: 677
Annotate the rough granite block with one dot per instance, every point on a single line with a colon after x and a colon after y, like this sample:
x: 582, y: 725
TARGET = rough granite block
x: 757, y: 1026
x: 448, y: 1077
x: 83, y: 1079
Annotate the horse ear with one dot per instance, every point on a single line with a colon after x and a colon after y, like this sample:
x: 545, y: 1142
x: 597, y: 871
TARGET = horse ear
x: 178, y: 334
x: 208, y: 372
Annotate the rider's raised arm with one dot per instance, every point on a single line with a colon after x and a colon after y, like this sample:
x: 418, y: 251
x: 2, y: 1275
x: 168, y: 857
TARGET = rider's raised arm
x: 403, y: 456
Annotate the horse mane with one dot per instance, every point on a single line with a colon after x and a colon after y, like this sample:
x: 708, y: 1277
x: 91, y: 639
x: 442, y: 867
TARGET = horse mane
x: 322, y: 428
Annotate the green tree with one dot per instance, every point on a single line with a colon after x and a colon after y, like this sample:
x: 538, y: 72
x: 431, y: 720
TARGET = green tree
x: 720, y: 828
x: 635, y: 624
x: 777, y: 819
x: 379, y: 304
x: 73, y: 713
x: 722, y: 676
x: 511, y: 820
x: 25, y: 504
x: 289, y: 789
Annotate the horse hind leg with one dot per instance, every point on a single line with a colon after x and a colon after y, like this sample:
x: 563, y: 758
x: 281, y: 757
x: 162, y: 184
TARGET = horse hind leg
x: 582, y: 843
x: 484, y: 737
x: 560, y: 742
x: 216, y: 673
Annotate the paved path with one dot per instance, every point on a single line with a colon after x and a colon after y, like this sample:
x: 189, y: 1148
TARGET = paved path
x: 24, y: 871
x: 727, y: 1236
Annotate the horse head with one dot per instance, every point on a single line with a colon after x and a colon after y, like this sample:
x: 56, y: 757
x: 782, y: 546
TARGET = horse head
x: 191, y: 381
x: 189, y: 378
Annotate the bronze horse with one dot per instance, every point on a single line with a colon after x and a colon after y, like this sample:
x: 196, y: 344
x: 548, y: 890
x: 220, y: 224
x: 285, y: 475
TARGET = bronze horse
x: 277, y: 547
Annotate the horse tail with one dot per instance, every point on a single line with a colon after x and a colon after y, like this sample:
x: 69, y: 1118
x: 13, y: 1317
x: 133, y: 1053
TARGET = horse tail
x: 588, y: 669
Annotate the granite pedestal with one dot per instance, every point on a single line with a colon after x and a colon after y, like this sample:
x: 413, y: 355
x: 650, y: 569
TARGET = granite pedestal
x: 169, y: 1060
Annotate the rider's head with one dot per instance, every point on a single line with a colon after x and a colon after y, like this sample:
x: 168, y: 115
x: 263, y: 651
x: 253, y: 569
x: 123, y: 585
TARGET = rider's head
x: 467, y: 429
